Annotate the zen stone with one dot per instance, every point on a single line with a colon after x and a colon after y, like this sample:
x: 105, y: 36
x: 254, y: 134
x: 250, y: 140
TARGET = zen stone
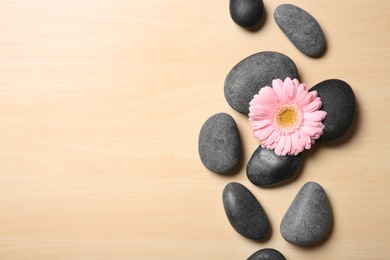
x: 219, y: 143
x: 265, y: 168
x: 244, y: 212
x: 267, y: 254
x: 309, y: 217
x: 248, y: 76
x: 246, y: 13
x: 301, y: 28
x: 338, y: 101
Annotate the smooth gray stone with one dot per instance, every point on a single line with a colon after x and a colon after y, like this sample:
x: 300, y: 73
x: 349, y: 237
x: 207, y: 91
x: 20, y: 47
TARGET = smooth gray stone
x: 244, y: 212
x: 246, y: 13
x: 248, y: 76
x: 309, y: 217
x: 301, y: 28
x: 267, y: 254
x: 219, y: 143
x: 338, y: 101
x: 265, y: 168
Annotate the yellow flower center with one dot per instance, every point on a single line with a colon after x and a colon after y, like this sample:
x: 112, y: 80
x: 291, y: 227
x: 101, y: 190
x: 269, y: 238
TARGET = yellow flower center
x: 286, y: 117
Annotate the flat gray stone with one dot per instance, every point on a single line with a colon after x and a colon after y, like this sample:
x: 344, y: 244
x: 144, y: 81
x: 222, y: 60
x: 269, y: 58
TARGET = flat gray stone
x: 309, y: 217
x: 248, y: 76
x: 246, y: 13
x: 219, y: 143
x: 245, y: 212
x: 301, y: 28
x: 265, y: 168
x: 338, y: 101
x: 267, y: 254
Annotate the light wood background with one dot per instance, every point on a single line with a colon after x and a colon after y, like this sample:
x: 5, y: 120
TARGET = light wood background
x: 101, y: 103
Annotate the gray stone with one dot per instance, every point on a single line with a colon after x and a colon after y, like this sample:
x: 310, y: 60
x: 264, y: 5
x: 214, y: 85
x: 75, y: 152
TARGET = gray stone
x: 267, y: 254
x: 265, y: 168
x: 246, y: 13
x: 219, y: 143
x: 309, y: 217
x: 301, y: 28
x: 244, y: 212
x: 338, y: 101
x: 248, y: 76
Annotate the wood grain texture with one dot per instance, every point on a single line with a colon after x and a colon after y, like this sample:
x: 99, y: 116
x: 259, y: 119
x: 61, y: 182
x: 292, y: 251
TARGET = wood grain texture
x: 101, y: 103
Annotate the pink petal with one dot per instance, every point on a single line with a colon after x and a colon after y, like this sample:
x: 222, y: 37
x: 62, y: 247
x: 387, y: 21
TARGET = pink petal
x: 301, y: 142
x: 272, y: 137
x: 277, y: 85
x: 312, y: 123
x: 305, y: 138
x: 268, y: 96
x: 318, y: 115
x: 264, y: 133
x: 301, y: 92
x: 313, y: 106
x: 254, y: 100
x: 316, y: 136
x: 261, y: 107
x: 305, y: 100
x: 287, y: 84
x: 260, y: 110
x: 296, y: 146
x: 293, y: 90
x: 272, y: 146
x: 312, y: 117
x: 287, y: 145
x: 308, y: 131
x: 259, y: 124
x: 313, y: 93
x: 279, y: 147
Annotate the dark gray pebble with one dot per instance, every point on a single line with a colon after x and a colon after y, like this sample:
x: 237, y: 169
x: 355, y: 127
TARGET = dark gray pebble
x: 246, y: 13
x: 244, y: 212
x: 338, y: 101
x: 219, y: 143
x: 267, y: 254
x: 265, y: 168
x: 246, y: 78
x: 301, y: 28
x: 309, y: 217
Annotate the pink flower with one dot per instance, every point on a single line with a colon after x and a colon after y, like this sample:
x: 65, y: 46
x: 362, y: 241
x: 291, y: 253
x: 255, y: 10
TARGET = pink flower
x: 286, y: 117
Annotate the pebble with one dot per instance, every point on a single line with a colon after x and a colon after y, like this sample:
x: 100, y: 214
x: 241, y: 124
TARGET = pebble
x: 338, y: 101
x: 246, y: 78
x: 246, y: 13
x: 309, y: 217
x: 301, y: 29
x: 219, y: 143
x: 267, y: 254
x: 244, y: 212
x: 265, y: 168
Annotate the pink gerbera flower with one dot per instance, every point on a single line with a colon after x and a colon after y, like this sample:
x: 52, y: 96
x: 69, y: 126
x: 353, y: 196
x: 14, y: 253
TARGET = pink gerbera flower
x: 286, y: 117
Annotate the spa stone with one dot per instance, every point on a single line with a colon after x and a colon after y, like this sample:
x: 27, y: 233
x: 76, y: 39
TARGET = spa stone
x: 246, y: 78
x: 301, y: 29
x: 338, y: 101
x: 309, y: 217
x: 219, y: 143
x: 265, y: 168
x: 267, y: 254
x: 246, y: 13
x: 245, y: 212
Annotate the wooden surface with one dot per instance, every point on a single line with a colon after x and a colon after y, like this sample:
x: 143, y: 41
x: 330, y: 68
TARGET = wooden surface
x: 101, y: 103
